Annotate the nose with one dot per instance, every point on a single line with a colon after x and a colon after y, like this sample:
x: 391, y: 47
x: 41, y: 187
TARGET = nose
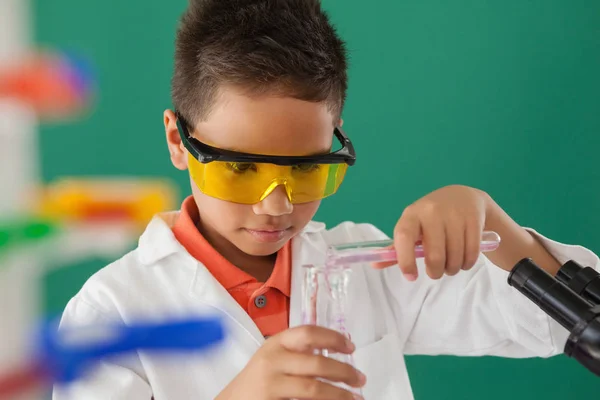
x: 275, y: 204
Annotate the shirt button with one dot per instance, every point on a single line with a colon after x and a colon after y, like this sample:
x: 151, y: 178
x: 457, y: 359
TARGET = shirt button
x: 260, y: 301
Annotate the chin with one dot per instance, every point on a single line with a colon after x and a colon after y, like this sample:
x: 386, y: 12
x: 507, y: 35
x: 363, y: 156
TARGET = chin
x: 261, y: 249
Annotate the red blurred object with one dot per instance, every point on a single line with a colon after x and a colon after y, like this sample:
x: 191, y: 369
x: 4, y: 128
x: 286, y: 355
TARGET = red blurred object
x: 25, y: 380
x: 54, y: 85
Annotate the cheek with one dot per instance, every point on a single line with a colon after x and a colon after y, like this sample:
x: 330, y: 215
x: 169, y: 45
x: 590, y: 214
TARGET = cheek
x: 220, y: 215
x: 303, y: 213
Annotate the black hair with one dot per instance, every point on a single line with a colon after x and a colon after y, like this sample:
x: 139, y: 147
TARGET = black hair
x: 281, y: 47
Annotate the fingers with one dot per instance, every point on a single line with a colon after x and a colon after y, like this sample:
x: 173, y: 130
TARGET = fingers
x: 300, y: 372
x: 472, y: 245
x: 305, y: 339
x: 450, y: 225
x: 317, y: 366
x: 406, y: 234
x: 455, y: 247
x: 306, y: 388
x: 434, y: 244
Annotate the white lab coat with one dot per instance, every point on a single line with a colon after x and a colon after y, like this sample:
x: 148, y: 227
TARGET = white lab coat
x: 472, y: 313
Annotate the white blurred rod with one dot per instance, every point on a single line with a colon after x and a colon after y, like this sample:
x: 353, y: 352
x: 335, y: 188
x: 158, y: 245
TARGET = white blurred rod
x: 19, y: 153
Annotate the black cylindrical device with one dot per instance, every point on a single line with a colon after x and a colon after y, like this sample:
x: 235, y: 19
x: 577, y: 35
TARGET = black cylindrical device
x: 578, y: 314
x: 584, y: 281
x: 557, y: 300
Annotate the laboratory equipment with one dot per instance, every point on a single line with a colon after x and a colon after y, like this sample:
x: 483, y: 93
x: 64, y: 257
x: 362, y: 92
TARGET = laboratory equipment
x: 107, y: 199
x: 66, y: 355
x: 324, y: 303
x: 383, y: 251
x: 571, y: 299
x: 55, y: 85
x: 29, y: 249
x: 23, y: 245
x: 324, y: 291
x: 584, y: 281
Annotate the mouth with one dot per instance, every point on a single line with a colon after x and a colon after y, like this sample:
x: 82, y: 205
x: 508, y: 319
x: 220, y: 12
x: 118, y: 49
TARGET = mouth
x: 268, y: 235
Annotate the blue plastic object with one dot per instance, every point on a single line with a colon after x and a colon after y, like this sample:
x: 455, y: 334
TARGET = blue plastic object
x: 80, y: 71
x: 66, y: 362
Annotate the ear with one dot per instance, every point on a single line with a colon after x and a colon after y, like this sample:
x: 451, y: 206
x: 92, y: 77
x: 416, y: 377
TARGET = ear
x: 177, y: 151
x: 341, y: 123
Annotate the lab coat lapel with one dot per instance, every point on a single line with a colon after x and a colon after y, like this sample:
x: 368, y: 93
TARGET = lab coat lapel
x: 206, y: 288
x: 307, y: 248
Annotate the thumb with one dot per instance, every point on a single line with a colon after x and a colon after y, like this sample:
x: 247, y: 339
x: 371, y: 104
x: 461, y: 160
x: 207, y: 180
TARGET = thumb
x: 406, y: 234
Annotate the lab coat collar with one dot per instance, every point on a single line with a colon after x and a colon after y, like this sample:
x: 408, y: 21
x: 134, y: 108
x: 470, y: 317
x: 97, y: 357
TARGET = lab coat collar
x: 207, y: 289
x: 158, y: 242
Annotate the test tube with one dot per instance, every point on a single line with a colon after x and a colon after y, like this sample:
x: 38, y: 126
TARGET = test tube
x: 324, y: 295
x: 383, y: 251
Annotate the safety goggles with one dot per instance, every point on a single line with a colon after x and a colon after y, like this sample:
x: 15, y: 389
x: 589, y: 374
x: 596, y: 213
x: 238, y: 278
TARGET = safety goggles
x: 249, y: 178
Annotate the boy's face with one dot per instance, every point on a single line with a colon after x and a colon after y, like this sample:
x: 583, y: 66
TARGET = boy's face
x: 261, y: 125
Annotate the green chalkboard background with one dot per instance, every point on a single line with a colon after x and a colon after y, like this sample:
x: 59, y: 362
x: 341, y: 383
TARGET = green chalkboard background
x: 501, y: 95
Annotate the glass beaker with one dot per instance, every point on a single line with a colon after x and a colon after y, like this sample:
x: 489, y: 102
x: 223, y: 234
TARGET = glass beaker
x: 324, y: 303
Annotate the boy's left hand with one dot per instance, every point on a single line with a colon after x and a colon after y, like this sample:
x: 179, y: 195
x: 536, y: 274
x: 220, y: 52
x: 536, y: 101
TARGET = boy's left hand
x: 449, y: 222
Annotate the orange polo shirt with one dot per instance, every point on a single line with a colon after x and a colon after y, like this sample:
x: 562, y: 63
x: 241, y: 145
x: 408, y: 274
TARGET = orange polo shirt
x: 267, y: 303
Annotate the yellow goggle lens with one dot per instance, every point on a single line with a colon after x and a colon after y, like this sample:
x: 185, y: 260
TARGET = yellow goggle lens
x: 250, y: 183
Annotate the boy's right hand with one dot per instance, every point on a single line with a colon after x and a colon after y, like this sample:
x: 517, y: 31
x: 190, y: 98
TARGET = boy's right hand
x: 285, y: 367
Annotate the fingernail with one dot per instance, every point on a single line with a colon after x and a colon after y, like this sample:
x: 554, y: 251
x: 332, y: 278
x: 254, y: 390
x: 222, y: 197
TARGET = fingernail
x: 362, y: 379
x: 411, y: 277
x: 357, y: 397
x: 349, y: 345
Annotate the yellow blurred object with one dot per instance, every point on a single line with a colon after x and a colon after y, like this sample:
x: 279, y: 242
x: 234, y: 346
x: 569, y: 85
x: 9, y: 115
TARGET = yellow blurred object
x: 107, y: 199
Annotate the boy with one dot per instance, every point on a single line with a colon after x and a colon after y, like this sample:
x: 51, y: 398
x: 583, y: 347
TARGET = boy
x: 258, y: 89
